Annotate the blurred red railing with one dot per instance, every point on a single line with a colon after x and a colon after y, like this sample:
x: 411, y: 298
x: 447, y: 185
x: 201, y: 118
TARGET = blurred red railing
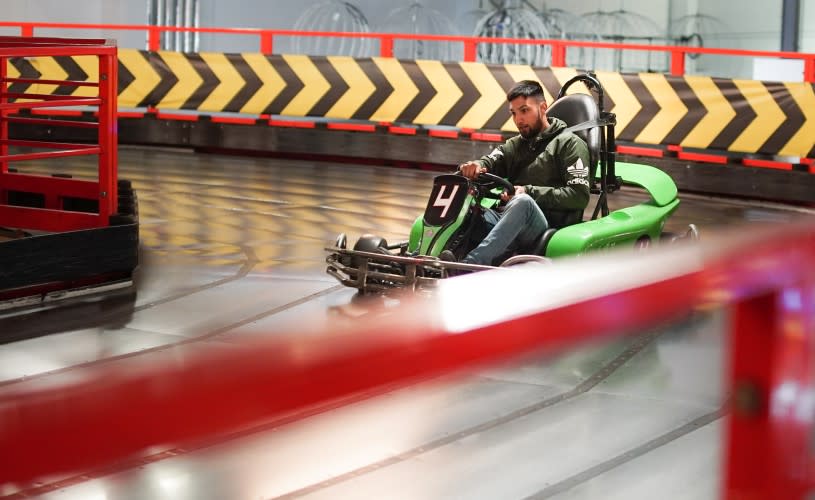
x: 36, y: 202
x: 266, y: 37
x: 114, y: 410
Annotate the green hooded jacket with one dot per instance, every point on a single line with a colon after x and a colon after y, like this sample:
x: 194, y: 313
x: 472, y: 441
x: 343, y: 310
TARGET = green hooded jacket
x: 552, y: 166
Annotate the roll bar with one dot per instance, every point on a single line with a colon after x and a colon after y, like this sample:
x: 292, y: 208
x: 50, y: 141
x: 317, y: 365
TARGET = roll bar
x: 608, y: 179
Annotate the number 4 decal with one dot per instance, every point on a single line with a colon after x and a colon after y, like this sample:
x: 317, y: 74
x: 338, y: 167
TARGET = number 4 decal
x: 441, y: 201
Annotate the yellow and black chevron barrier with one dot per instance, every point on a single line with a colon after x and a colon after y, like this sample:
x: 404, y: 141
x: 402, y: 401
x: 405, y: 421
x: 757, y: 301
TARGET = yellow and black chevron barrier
x: 740, y: 116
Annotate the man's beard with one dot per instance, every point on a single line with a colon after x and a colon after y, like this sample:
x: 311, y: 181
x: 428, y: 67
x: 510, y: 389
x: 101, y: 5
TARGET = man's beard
x: 533, y: 130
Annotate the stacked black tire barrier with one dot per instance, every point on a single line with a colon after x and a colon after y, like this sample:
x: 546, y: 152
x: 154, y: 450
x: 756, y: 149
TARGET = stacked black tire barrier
x: 37, y: 264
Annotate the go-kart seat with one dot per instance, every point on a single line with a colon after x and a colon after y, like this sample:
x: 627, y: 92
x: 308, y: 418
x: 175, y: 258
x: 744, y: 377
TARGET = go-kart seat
x: 575, y: 109
x: 543, y: 242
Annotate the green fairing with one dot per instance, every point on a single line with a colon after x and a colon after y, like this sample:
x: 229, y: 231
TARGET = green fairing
x: 625, y: 226
x: 416, y: 240
x: 491, y: 202
x: 422, y: 236
x: 658, y: 184
x: 415, y: 235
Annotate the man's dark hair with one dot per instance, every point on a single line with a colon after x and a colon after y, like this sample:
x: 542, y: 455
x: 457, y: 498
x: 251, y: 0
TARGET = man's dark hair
x: 526, y: 88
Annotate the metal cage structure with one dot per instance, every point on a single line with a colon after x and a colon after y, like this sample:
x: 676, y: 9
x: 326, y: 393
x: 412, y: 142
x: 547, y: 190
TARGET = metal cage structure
x: 57, y: 203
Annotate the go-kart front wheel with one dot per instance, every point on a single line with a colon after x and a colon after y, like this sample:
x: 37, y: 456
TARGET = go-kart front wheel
x: 369, y: 243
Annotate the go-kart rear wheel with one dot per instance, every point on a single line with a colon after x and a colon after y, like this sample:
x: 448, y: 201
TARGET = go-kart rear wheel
x: 668, y: 237
x: 643, y: 242
x: 692, y: 234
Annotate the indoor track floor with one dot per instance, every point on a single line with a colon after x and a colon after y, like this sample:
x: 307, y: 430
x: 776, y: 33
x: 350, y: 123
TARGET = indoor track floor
x: 233, y: 247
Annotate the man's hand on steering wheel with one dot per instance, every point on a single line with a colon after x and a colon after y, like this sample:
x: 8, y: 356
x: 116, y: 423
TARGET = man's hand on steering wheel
x: 471, y: 170
x: 506, y: 195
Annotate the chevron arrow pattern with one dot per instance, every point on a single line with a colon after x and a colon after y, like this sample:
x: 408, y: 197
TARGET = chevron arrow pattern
x: 403, y: 90
x: 443, y: 90
x: 801, y: 132
x: 692, y: 111
x: 670, y: 111
x: 263, y: 85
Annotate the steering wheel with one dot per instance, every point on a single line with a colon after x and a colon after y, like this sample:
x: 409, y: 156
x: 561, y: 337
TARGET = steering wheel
x: 487, y: 182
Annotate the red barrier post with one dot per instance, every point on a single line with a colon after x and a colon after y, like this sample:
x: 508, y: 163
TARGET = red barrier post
x: 677, y: 62
x: 266, y: 42
x: 108, y: 135
x: 386, y: 46
x: 4, y: 113
x: 153, y: 38
x: 470, y: 50
x: 771, y: 424
x: 558, y: 55
x: 3, y: 121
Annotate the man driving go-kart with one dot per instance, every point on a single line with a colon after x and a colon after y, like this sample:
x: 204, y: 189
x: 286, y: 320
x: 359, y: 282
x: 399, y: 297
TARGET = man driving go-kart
x: 548, y: 167
x: 545, y: 175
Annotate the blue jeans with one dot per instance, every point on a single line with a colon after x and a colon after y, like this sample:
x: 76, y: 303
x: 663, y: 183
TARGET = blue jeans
x: 521, y: 222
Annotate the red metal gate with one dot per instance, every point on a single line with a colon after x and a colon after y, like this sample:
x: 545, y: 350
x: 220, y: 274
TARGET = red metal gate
x: 57, y: 203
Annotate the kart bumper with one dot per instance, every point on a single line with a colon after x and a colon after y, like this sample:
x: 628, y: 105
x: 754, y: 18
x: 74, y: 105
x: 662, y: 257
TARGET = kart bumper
x: 385, y: 272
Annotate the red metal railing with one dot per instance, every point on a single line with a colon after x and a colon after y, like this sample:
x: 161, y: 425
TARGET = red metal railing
x: 266, y: 37
x: 766, y: 277
x: 49, y: 211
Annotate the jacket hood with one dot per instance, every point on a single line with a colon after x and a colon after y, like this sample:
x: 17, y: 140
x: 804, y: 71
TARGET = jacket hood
x: 556, y: 126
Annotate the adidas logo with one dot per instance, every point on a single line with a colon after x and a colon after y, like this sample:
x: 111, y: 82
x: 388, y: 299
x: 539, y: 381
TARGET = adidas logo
x: 578, y: 169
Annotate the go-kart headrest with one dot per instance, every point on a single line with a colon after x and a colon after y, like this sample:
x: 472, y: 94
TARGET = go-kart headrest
x: 575, y: 109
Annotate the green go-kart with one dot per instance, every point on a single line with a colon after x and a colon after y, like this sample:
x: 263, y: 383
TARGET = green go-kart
x: 453, y: 218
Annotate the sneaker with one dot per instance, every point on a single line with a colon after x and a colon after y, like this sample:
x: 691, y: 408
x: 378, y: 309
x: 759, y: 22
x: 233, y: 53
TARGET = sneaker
x: 447, y: 256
